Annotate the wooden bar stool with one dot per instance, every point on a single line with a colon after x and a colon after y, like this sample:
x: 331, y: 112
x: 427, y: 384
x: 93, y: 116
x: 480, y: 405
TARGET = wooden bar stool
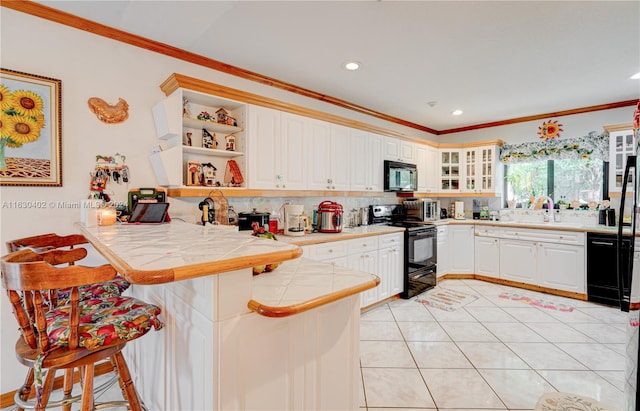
x: 51, y: 241
x: 77, y: 334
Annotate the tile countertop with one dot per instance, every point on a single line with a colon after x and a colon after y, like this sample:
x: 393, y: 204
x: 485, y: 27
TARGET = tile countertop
x: 346, y: 234
x: 564, y: 226
x: 156, y: 254
x: 161, y: 253
x: 301, y: 284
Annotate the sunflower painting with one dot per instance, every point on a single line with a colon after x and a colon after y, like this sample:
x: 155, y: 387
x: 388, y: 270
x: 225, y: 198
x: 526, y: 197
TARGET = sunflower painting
x: 30, y: 129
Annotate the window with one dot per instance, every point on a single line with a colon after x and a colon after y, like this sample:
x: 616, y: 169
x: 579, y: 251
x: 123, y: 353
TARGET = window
x: 566, y: 180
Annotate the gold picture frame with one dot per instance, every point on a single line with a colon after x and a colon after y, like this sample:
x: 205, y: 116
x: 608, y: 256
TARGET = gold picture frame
x: 31, y: 130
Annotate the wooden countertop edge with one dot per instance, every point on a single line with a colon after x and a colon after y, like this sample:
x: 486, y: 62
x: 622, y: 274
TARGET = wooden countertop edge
x: 148, y: 277
x: 289, y: 310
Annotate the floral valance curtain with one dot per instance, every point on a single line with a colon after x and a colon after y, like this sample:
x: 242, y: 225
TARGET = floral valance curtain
x: 594, y: 146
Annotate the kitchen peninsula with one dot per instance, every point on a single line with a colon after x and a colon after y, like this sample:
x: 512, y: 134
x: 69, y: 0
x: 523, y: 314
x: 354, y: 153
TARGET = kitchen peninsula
x: 222, y: 348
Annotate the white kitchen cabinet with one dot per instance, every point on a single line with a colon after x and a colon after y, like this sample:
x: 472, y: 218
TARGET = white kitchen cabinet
x: 367, y: 163
x: 482, y: 170
x: 427, y: 162
x: 462, y: 243
x: 366, y: 261
x: 277, y: 149
x: 443, y: 253
x: 487, y: 251
x: 181, y: 133
x: 396, y: 149
x: 328, y: 156
x: 561, y: 266
x: 622, y: 144
x: 518, y: 261
x: 390, y: 265
x: 363, y: 256
x: 547, y: 258
x: 450, y: 170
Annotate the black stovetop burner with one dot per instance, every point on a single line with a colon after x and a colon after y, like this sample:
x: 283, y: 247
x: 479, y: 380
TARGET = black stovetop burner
x: 408, y: 223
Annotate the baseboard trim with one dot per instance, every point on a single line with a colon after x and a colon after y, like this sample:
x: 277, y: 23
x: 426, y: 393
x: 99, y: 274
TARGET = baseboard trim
x: 531, y: 287
x: 6, y: 399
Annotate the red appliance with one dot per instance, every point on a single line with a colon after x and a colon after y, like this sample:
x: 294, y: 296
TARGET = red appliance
x: 330, y: 217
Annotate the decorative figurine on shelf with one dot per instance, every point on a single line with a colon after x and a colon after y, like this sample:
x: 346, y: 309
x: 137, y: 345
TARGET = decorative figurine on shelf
x: 207, y: 139
x: 231, y: 142
x: 204, y: 116
x: 187, y: 138
x: 209, y: 174
x: 185, y: 108
x: 221, y: 116
x: 194, y: 173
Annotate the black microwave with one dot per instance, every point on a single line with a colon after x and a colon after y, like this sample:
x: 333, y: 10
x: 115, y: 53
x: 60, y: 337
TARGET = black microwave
x: 400, y: 176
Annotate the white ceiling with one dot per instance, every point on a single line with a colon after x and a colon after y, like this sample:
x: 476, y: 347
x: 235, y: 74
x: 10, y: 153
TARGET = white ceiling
x: 496, y: 60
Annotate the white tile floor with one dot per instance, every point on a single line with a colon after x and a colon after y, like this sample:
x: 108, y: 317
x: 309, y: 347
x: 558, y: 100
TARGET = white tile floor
x: 493, y: 353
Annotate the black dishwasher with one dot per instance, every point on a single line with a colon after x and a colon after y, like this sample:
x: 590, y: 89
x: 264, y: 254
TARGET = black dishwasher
x: 602, y: 280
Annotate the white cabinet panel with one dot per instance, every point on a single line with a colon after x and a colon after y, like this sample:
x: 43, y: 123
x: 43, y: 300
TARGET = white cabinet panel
x: 277, y: 149
x: 367, y: 162
x: 390, y: 271
x: 328, y: 156
x: 396, y: 149
x: 462, y: 242
x: 518, y: 261
x: 487, y: 259
x: 444, y: 256
x: 427, y: 162
x: 562, y: 267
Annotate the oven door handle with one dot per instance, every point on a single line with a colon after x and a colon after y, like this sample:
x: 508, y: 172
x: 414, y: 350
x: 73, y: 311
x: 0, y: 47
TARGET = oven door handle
x: 423, y: 274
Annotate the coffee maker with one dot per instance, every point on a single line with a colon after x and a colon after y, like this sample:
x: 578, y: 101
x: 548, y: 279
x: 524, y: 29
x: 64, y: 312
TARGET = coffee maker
x: 295, y: 222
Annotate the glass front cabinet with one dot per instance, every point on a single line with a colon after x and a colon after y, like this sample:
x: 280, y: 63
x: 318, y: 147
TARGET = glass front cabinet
x: 621, y: 145
x: 450, y: 170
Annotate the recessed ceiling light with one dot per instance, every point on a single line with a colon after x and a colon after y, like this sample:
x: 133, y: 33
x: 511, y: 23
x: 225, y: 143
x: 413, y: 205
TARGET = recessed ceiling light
x: 635, y: 76
x: 456, y: 112
x: 352, y: 65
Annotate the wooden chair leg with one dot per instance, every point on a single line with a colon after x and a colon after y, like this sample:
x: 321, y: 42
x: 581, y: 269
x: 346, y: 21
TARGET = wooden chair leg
x: 125, y: 377
x: 87, y: 389
x: 25, y: 390
x: 68, y: 387
x: 47, y: 387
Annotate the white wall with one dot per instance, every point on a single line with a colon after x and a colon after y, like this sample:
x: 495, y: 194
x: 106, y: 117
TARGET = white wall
x: 89, y: 66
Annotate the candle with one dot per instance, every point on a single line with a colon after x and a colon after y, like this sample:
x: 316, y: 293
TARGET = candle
x: 106, y: 216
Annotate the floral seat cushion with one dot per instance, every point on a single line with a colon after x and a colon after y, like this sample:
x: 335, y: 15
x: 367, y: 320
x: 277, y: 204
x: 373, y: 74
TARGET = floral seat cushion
x: 103, y: 321
x: 110, y: 288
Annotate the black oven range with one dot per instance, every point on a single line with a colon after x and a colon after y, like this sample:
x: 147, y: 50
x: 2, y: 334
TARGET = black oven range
x: 420, y: 248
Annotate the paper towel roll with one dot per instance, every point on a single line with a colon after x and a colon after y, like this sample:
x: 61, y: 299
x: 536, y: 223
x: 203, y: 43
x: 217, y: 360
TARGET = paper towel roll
x: 459, y: 210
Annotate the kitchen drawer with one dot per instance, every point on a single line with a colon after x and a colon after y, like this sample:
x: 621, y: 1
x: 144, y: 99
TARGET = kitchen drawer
x: 487, y: 231
x: 545, y: 236
x: 390, y: 240
x: 364, y: 244
x: 326, y: 251
x: 442, y: 231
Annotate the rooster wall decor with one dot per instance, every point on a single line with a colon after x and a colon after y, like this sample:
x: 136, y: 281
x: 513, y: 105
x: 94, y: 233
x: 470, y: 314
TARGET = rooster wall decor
x: 107, y: 113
